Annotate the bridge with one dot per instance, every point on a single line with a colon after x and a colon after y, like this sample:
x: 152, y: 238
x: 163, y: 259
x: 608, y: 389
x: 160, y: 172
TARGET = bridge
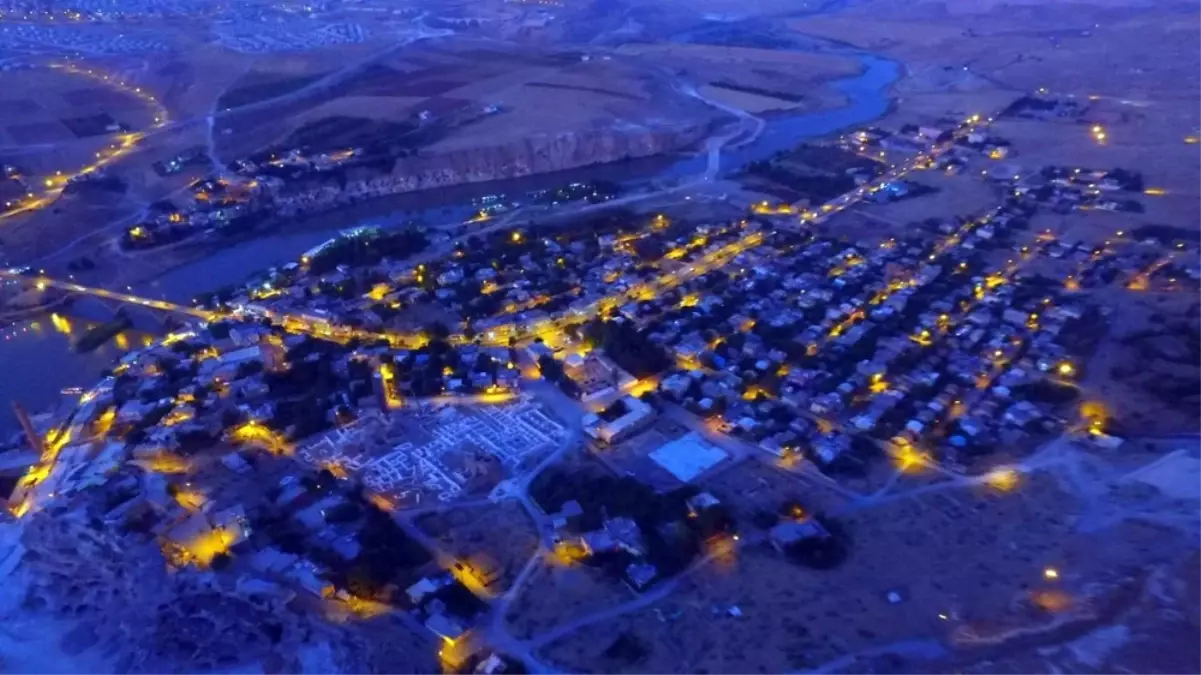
x: 296, y: 323
x: 42, y: 283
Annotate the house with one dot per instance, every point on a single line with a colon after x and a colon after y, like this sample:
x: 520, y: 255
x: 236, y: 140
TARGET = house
x: 419, y: 590
x: 700, y: 502
x: 625, y: 534
x: 640, y: 575
x: 597, y: 541
x: 789, y: 532
x: 306, y: 577
x: 570, y: 509
x: 445, y: 627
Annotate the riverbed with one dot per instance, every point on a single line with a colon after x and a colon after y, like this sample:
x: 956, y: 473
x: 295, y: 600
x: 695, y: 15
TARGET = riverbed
x: 38, y: 361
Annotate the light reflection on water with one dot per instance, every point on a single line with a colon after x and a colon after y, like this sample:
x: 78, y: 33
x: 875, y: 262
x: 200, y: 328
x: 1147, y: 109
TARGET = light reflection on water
x: 39, y: 361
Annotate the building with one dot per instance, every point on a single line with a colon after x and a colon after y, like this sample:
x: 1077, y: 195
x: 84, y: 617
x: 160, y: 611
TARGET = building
x: 640, y: 575
x: 637, y: 416
x: 688, y: 456
x: 597, y: 378
x: 273, y: 354
x: 790, y: 532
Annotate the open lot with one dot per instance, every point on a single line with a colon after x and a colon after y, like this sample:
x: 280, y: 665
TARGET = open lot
x: 502, y: 533
x: 958, y: 195
x: 756, y: 486
x: 980, y: 575
x: 555, y: 594
x: 48, y: 106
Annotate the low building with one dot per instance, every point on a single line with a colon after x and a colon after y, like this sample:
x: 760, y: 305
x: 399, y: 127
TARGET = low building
x: 637, y: 416
x: 688, y: 456
x: 790, y: 532
x: 640, y: 575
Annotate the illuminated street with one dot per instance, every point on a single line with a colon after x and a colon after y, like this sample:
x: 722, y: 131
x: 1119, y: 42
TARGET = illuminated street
x: 52, y: 186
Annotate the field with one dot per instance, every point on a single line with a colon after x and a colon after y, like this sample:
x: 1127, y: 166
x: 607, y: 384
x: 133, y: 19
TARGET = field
x: 754, y: 486
x: 256, y: 86
x: 502, y: 533
x: 447, y: 80
x: 554, y: 594
x: 961, y: 195
x: 962, y: 571
x: 54, y: 106
x: 752, y: 102
x: 1139, y: 68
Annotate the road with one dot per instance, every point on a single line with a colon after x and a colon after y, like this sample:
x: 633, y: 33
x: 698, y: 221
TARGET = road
x: 747, y: 122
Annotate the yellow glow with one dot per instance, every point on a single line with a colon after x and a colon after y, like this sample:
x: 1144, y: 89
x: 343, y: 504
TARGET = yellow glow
x: 176, y: 416
x: 172, y: 338
x: 1050, y: 573
x: 201, y: 550
x: 190, y: 498
x: 645, y: 385
x: 1003, y: 479
x: 105, y: 422
x: 388, y: 383
x: 908, y: 459
x: 878, y: 386
x: 378, y: 292
x: 165, y: 462
x: 257, y: 434
x: 61, y: 324
x: 1065, y: 369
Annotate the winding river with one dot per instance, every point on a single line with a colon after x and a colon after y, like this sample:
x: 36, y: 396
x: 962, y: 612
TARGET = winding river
x: 38, y: 362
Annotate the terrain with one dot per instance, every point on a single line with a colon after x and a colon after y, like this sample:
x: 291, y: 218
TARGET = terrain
x: 384, y: 454
x: 444, y: 96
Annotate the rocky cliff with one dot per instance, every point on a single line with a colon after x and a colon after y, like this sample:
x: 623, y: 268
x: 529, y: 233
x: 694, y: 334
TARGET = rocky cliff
x: 544, y: 153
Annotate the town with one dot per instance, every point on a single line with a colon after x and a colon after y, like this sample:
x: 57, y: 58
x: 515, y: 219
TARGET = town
x: 306, y: 428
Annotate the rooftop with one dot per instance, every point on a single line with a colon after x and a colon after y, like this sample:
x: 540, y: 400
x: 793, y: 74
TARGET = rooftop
x: 688, y: 456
